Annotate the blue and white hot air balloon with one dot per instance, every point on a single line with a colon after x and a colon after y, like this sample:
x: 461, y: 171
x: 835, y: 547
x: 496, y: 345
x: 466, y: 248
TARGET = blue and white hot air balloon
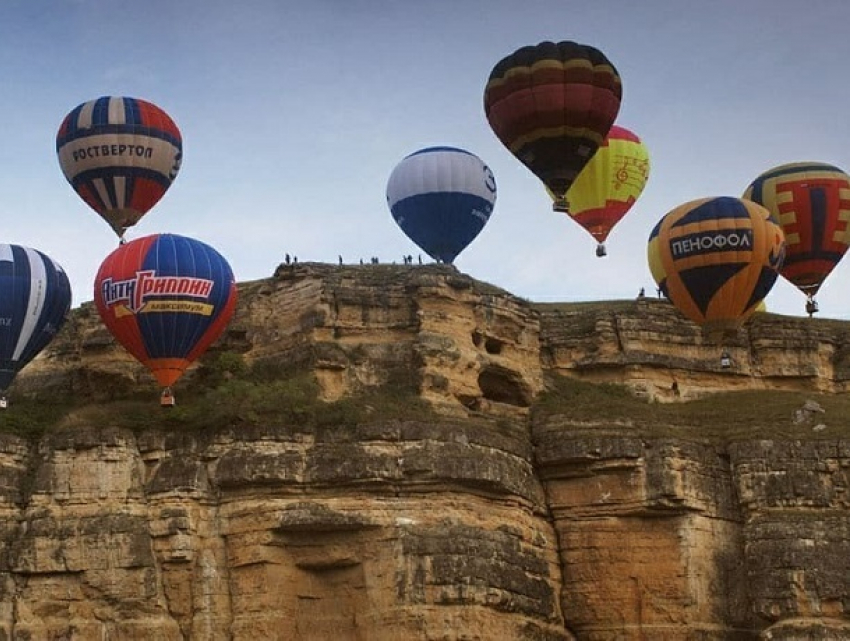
x: 441, y: 197
x: 35, y: 297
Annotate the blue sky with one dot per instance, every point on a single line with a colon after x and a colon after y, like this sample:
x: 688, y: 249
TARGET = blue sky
x: 294, y: 113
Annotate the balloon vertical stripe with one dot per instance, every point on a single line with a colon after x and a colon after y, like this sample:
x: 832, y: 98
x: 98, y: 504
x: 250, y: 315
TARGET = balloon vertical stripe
x: 35, y: 300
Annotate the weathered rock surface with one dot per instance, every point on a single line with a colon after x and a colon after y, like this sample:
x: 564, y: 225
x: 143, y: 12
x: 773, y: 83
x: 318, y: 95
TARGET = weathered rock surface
x: 477, y: 524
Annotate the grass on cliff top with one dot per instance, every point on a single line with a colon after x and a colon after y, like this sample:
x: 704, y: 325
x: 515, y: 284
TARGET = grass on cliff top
x: 719, y: 417
x: 224, y: 392
x: 612, y: 306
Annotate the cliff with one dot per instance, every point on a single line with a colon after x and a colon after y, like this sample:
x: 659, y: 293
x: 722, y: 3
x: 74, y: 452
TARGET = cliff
x: 388, y: 452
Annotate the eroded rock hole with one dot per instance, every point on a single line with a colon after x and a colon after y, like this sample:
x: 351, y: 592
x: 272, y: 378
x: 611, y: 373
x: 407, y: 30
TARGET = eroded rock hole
x: 502, y: 386
x: 493, y: 346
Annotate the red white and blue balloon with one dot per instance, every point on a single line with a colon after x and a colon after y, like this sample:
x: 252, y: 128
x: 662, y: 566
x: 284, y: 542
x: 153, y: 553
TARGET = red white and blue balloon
x: 120, y: 155
x: 166, y: 299
x: 441, y: 197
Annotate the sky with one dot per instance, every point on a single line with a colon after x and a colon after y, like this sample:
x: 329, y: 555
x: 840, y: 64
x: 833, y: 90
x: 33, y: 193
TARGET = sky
x: 294, y: 113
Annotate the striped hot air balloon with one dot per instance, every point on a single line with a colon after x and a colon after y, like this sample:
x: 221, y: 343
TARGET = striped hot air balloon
x: 441, y: 197
x: 552, y: 105
x: 811, y: 201
x: 35, y: 296
x: 716, y: 259
x: 120, y: 155
x: 166, y: 299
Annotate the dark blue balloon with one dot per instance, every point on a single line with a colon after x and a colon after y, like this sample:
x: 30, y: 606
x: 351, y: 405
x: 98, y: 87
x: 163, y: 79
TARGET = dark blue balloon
x: 35, y: 296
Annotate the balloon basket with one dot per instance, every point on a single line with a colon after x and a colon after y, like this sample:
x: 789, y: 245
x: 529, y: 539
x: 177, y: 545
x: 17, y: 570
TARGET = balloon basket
x: 561, y: 206
x: 811, y: 307
x: 167, y: 398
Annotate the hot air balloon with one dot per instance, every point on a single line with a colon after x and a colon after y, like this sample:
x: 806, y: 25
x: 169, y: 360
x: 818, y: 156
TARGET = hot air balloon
x: 166, y: 299
x: 716, y: 259
x: 35, y: 297
x: 441, y: 197
x: 120, y: 155
x: 811, y: 201
x: 552, y: 105
x: 608, y: 186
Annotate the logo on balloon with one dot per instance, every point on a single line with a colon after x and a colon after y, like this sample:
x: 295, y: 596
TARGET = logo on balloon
x: 489, y: 180
x: 132, y: 296
x: 696, y: 244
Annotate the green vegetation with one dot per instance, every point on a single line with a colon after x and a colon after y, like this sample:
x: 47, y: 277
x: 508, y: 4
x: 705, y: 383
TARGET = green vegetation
x: 720, y: 417
x: 32, y: 417
x: 607, y: 306
x: 223, y: 392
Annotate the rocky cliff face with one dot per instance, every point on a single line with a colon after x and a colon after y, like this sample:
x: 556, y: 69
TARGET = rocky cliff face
x: 474, y: 522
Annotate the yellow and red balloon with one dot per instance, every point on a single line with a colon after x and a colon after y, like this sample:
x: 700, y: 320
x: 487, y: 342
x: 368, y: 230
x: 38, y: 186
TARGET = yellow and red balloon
x: 610, y: 184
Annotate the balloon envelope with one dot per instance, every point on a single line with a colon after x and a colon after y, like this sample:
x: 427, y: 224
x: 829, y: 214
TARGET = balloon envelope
x: 120, y: 155
x: 441, y: 197
x: 166, y: 299
x: 35, y: 297
x: 716, y: 259
x: 608, y: 186
x: 811, y: 201
x: 552, y: 105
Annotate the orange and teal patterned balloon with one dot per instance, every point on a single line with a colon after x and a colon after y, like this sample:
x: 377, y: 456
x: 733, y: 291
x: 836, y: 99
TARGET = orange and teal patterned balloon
x: 607, y: 188
x: 552, y: 105
x: 716, y: 259
x: 811, y: 201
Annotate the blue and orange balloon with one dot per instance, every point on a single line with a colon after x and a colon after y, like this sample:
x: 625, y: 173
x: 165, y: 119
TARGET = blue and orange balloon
x: 811, y: 201
x: 166, y: 299
x: 441, y: 197
x: 120, y: 155
x: 551, y: 105
x: 716, y: 259
x: 35, y: 296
